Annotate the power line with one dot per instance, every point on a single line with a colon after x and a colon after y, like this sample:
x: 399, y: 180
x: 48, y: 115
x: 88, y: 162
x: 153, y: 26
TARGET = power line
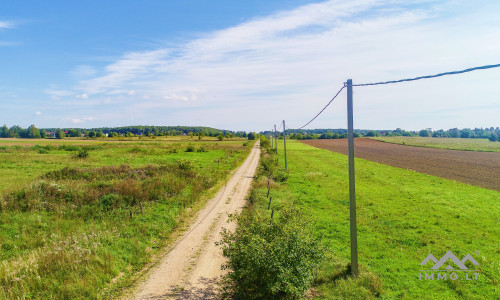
x: 397, y: 81
x: 431, y: 76
x: 323, y: 107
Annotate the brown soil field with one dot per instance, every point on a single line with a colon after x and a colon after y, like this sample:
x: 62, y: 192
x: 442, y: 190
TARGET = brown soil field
x: 476, y: 168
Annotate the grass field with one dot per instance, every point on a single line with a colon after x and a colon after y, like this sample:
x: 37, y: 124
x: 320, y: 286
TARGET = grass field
x: 402, y: 217
x: 78, y: 219
x: 443, y: 143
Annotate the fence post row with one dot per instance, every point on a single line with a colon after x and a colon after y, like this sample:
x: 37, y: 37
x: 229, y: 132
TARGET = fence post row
x: 284, y: 142
x: 272, y: 139
x: 275, y: 139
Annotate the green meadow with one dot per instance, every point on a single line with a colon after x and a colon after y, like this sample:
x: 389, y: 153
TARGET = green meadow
x: 483, y: 145
x: 402, y: 216
x: 80, y: 219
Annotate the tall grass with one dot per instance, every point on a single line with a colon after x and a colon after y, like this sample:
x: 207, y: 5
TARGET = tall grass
x: 84, y: 230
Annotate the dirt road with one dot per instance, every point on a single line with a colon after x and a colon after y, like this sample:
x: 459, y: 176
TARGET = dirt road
x: 192, y: 268
x: 477, y: 168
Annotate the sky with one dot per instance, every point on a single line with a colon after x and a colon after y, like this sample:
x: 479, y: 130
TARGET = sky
x: 247, y: 65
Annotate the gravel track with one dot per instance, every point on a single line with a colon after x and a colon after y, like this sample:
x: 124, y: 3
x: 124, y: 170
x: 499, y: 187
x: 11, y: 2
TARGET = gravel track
x: 192, y: 268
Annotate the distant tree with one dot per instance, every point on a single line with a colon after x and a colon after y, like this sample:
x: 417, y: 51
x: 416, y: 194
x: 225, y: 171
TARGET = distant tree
x: 493, y: 137
x: 92, y: 134
x: 466, y: 133
x: 43, y: 134
x: 16, y: 131
x: 326, y: 135
x: 99, y: 134
x: 13, y: 133
x: 4, y: 131
x: 113, y: 134
x: 251, y: 136
x: 74, y: 133
x: 371, y: 133
x: 220, y: 137
x: 60, y: 134
x: 33, y: 132
x: 424, y: 133
x: 454, y: 133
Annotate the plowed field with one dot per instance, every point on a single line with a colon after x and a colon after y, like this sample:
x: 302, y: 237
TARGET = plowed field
x: 476, y: 168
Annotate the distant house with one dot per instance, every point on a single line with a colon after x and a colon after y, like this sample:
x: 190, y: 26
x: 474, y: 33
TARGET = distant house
x: 50, y: 134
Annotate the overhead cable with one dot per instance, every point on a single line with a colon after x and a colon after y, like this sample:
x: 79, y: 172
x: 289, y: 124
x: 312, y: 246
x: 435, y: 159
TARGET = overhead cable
x: 328, y: 104
x: 431, y: 76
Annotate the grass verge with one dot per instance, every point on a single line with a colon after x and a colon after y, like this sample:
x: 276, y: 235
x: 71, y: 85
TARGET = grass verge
x: 402, y: 217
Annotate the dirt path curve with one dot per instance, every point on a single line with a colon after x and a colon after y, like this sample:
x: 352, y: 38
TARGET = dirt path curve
x: 192, y: 268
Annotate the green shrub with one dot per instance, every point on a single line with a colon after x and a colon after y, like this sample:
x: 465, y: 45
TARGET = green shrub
x: 280, y: 175
x: 271, y: 259
x: 190, y: 148
x: 264, y: 142
x: 201, y: 149
x: 245, y: 144
x: 69, y: 148
x: 107, y: 202
x: 43, y: 151
x: 81, y: 154
x: 185, y: 165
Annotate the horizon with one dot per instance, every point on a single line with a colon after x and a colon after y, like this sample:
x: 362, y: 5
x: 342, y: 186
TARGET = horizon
x: 248, y: 65
x: 224, y: 129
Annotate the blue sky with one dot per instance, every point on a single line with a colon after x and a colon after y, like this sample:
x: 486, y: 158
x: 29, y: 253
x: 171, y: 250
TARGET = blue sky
x: 245, y: 65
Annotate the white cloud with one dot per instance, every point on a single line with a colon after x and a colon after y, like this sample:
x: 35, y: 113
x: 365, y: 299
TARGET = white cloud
x: 6, y: 24
x: 130, y: 67
x: 38, y: 113
x: 81, y: 120
x: 58, y: 94
x: 289, y: 64
x: 83, y: 71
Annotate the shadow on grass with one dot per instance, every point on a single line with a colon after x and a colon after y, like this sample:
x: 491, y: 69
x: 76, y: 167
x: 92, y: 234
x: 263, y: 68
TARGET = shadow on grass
x: 334, y: 280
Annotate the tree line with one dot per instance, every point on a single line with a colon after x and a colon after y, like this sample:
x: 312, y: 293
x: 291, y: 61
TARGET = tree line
x: 491, y: 133
x: 126, y: 131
